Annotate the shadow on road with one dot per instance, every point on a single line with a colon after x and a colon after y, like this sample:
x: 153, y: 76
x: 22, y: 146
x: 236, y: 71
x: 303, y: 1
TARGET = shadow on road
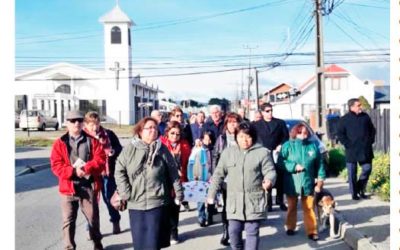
x: 26, y: 149
x: 31, y: 161
x: 39, y: 180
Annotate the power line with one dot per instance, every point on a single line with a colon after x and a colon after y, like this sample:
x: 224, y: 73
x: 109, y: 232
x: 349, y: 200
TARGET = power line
x: 265, y: 66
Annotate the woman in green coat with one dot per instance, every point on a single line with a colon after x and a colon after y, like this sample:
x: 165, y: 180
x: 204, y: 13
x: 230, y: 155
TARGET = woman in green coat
x: 249, y: 172
x: 302, y: 164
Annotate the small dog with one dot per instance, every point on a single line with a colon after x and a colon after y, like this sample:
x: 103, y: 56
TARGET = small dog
x: 326, y: 204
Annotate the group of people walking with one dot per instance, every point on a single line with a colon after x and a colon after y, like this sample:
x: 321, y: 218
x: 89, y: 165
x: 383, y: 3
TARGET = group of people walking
x: 239, y: 159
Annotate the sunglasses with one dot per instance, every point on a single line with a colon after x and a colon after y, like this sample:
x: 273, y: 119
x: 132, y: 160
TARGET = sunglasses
x: 268, y: 110
x: 75, y: 120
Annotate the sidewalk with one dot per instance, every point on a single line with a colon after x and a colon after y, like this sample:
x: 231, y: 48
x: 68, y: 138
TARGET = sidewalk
x: 364, y: 224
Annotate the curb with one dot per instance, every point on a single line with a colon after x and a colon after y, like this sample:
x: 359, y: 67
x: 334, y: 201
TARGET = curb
x: 354, y: 238
x: 32, y: 169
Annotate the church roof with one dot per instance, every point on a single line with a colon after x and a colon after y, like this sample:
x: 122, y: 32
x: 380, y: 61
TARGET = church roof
x: 116, y: 15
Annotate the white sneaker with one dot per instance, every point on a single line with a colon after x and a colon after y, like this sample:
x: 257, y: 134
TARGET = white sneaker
x: 173, y: 242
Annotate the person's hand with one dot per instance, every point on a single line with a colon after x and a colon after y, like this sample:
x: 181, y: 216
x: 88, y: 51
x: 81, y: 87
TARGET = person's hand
x: 319, y: 186
x: 299, y: 168
x: 80, y: 172
x: 197, y: 143
x: 209, y: 201
x: 179, y: 173
x: 177, y: 202
x: 266, y: 184
x: 278, y: 148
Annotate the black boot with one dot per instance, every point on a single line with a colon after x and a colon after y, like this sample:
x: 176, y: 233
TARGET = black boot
x: 225, y: 235
x: 360, y: 189
x: 210, y: 213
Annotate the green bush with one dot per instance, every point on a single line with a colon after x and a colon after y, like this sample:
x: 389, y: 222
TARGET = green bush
x: 379, y: 180
x: 336, y: 161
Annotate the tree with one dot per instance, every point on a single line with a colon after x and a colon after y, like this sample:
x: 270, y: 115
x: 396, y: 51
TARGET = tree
x: 224, y: 103
x: 364, y: 103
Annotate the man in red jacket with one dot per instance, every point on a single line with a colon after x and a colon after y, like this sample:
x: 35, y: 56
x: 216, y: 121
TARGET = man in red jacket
x: 78, y: 161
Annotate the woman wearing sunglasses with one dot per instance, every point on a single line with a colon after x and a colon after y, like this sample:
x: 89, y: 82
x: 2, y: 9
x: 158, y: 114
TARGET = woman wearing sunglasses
x: 302, y: 163
x: 180, y: 150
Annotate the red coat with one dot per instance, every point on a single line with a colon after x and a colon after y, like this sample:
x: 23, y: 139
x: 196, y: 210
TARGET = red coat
x: 62, y: 167
x: 185, y: 153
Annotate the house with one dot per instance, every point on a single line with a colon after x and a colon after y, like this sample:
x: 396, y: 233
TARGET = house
x: 340, y: 86
x: 118, y: 95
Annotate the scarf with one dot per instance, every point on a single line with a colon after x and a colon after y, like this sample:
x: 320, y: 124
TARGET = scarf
x: 150, y: 149
x: 105, y: 142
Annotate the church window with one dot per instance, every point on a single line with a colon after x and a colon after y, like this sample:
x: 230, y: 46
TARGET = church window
x: 115, y: 35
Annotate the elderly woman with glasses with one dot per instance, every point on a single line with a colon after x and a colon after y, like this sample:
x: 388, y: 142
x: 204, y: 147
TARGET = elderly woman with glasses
x: 249, y: 172
x: 180, y: 150
x: 145, y: 173
x: 302, y: 163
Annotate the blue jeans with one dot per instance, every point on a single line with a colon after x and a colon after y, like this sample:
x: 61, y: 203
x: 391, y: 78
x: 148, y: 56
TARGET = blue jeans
x: 356, y: 186
x: 201, y: 209
x: 252, y: 229
x: 107, y: 191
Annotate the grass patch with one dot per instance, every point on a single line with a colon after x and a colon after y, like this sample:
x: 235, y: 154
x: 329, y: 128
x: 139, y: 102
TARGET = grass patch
x: 119, y: 130
x: 33, y: 142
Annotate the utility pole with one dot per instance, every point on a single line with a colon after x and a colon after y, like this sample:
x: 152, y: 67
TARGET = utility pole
x: 321, y: 103
x: 257, y: 104
x: 250, y: 79
x: 117, y: 69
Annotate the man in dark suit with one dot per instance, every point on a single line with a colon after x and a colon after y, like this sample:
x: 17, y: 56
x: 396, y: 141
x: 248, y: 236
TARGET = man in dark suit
x: 272, y: 133
x: 357, y: 133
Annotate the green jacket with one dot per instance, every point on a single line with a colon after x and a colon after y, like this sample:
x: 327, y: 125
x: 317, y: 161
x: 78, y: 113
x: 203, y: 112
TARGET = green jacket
x: 305, y: 153
x: 143, y: 186
x: 245, y: 171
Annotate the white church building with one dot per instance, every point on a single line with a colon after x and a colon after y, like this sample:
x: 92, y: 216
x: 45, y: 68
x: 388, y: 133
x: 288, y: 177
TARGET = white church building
x: 114, y: 92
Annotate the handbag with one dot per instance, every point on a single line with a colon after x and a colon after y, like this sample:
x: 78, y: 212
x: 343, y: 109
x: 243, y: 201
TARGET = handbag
x: 117, y: 202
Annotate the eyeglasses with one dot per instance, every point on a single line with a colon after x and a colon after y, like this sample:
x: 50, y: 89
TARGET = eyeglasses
x: 80, y: 120
x: 174, y: 133
x: 268, y: 110
x: 149, y: 128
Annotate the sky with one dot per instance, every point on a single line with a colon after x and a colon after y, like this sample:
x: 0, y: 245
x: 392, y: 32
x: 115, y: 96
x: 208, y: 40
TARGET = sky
x: 191, y: 37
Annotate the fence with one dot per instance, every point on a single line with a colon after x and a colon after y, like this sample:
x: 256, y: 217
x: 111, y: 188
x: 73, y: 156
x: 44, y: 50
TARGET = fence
x: 381, y: 121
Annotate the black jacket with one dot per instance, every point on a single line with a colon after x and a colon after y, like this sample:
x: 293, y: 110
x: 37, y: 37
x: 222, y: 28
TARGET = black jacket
x: 116, y: 146
x: 271, y: 134
x: 357, y: 134
x: 209, y: 125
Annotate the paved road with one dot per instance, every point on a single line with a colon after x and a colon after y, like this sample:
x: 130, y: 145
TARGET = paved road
x: 38, y: 224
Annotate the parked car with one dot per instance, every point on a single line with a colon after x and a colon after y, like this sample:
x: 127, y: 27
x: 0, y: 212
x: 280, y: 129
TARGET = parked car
x: 316, y: 138
x: 37, y: 119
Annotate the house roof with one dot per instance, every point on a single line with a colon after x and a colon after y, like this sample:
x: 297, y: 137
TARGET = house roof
x: 63, y: 68
x: 277, y: 86
x: 116, y: 15
x: 382, y: 94
x: 335, y: 69
x: 330, y: 70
